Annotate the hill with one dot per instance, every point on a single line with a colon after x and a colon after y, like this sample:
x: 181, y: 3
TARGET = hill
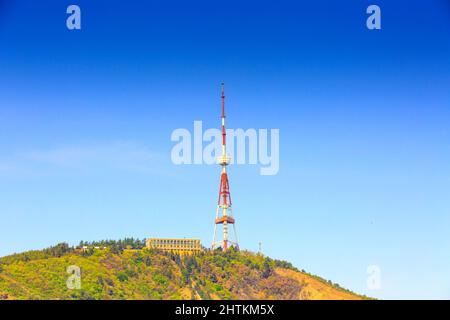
x: 118, y: 271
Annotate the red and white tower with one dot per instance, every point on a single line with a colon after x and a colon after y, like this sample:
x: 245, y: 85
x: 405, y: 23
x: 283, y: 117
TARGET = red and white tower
x: 224, y: 214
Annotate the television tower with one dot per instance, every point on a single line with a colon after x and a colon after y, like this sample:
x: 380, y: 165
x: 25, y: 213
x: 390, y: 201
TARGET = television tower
x: 224, y: 214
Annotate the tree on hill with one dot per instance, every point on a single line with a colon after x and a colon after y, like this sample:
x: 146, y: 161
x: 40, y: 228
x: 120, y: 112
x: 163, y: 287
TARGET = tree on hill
x: 267, y: 268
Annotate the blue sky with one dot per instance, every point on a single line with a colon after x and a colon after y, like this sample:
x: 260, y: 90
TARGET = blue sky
x: 86, y: 118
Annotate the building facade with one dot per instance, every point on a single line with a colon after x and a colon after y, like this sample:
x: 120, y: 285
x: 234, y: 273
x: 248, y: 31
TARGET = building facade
x: 187, y: 246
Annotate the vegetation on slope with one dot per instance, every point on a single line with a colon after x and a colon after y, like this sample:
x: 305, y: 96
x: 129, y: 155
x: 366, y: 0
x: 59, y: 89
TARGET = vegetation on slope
x: 121, y: 270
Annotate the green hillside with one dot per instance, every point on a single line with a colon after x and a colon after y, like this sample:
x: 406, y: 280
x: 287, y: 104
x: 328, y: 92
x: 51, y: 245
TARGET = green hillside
x: 123, y: 270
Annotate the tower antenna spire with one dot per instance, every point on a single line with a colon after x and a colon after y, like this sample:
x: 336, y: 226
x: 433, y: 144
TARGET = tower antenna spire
x: 223, y: 100
x: 224, y: 133
x: 224, y: 214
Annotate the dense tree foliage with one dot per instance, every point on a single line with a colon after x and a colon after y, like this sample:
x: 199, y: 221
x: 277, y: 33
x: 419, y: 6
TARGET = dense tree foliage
x: 123, y: 270
x: 118, y: 245
x: 55, y: 251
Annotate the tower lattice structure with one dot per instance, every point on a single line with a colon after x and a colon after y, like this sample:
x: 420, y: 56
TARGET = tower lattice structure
x: 224, y: 213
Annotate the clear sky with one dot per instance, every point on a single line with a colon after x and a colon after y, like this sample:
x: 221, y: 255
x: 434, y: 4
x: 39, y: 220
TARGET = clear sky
x: 364, y: 118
